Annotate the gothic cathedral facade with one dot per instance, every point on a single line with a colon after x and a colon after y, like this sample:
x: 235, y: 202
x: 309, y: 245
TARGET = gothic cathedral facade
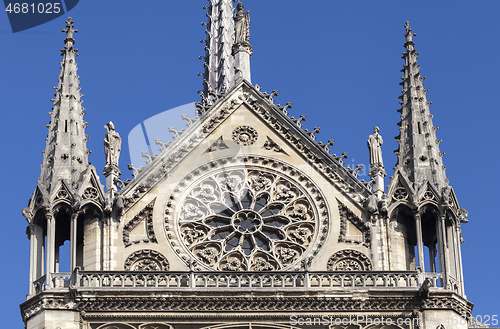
x: 244, y: 220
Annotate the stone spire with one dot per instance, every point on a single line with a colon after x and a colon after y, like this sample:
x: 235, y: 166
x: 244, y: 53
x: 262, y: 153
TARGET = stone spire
x: 219, y: 62
x: 419, y: 158
x: 66, y: 154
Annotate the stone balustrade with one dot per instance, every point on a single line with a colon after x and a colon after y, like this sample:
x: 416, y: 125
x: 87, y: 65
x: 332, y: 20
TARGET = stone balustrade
x: 232, y: 280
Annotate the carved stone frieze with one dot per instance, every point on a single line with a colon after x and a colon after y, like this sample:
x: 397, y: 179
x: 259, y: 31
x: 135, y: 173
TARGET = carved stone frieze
x: 91, y: 306
x: 146, y: 260
x: 346, y: 215
x: 263, y: 304
x: 246, y: 213
x: 146, y: 215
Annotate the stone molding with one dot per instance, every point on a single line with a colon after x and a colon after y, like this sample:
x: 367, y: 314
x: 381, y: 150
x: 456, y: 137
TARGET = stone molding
x: 265, y: 305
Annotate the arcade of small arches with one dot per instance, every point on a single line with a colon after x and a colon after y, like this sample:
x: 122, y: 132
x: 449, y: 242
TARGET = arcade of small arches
x: 431, y: 238
x: 63, y: 227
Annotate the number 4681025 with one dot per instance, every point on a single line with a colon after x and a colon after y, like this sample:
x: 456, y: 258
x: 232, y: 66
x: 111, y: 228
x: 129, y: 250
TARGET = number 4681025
x: 26, y: 8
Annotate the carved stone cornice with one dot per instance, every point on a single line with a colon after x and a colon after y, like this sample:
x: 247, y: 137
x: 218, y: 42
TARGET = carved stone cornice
x: 392, y: 302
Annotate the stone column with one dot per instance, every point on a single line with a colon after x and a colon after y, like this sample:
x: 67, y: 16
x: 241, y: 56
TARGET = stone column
x: 420, y: 245
x: 33, y: 258
x: 432, y: 256
x: 73, y: 240
x: 458, y: 260
x: 51, y: 249
x: 443, y: 252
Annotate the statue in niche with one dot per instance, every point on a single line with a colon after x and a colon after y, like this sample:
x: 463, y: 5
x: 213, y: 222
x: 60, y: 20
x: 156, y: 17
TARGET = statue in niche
x: 241, y: 25
x: 112, y: 145
x: 374, y: 143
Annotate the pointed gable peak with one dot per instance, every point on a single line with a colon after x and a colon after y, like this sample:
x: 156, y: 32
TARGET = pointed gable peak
x: 246, y: 100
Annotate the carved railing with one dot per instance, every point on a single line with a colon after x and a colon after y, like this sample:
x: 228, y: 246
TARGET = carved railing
x: 245, y: 280
x: 310, y: 280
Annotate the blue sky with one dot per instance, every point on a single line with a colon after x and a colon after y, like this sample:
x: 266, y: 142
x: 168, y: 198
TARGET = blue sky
x: 337, y: 61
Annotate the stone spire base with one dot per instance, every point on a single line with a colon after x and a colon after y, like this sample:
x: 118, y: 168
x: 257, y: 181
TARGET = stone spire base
x: 377, y: 174
x: 242, y: 53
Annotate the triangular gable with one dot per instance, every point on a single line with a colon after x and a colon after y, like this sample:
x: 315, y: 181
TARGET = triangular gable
x: 398, y: 187
x: 61, y: 193
x: 428, y: 193
x: 275, y: 117
x: 90, y: 189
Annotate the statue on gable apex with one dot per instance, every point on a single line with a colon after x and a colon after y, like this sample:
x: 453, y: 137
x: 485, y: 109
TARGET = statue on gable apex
x: 375, y: 141
x: 241, y: 25
x: 112, y: 146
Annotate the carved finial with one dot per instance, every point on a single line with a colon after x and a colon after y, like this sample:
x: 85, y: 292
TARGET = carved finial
x: 163, y: 146
x: 188, y: 119
x: 135, y: 171
x: 408, y: 33
x: 147, y: 156
x: 69, y: 30
x: 175, y: 132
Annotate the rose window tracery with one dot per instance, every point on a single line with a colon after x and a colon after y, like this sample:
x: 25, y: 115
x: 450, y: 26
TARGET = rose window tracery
x: 245, y: 219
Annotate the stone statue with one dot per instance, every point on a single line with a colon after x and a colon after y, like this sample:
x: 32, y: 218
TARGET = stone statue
x: 374, y: 143
x: 112, y: 145
x: 241, y: 25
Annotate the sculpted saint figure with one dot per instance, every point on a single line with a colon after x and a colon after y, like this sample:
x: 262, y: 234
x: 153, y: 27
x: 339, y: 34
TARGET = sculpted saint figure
x: 112, y: 145
x: 241, y: 25
x: 374, y: 143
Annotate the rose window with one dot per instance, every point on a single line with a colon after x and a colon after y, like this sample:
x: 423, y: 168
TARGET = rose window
x: 247, y: 220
